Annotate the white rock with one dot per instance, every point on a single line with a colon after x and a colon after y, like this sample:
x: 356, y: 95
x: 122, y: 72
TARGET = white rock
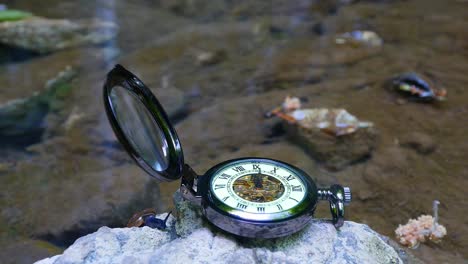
x: 117, y: 245
x: 320, y: 242
x: 191, y: 240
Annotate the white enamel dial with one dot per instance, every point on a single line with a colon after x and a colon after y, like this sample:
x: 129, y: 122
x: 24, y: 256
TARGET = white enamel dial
x: 258, y: 187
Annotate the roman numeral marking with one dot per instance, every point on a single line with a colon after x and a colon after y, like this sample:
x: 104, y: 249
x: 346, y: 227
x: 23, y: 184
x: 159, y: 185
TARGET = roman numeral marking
x: 290, y: 178
x: 261, y: 209
x: 279, y: 207
x: 241, y: 206
x: 225, y: 198
x: 293, y: 199
x: 238, y: 169
x: 256, y: 166
x: 274, y: 170
x: 224, y: 176
x: 219, y: 186
x: 297, y: 188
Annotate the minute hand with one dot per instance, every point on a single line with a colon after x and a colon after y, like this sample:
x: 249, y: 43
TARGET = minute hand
x: 257, y: 179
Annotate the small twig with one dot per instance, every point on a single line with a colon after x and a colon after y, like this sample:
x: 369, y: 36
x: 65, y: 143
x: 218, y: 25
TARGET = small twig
x: 435, y: 209
x: 167, y: 216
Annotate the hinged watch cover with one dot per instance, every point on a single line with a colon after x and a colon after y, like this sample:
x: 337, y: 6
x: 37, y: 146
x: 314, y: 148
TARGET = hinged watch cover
x: 142, y: 126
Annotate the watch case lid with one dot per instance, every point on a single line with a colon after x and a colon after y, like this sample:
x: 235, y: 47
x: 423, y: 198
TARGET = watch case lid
x: 142, y: 126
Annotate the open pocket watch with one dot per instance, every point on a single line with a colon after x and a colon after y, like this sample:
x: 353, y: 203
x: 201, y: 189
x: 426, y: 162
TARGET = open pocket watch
x: 249, y: 197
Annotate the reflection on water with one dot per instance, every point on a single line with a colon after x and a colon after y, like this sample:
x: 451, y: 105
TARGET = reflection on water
x: 74, y: 178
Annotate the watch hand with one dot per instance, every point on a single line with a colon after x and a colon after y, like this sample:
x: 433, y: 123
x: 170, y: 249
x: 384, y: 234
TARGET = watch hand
x: 257, y: 179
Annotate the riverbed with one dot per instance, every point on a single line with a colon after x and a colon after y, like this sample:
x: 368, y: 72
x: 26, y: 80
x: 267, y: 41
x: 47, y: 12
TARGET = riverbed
x: 217, y: 68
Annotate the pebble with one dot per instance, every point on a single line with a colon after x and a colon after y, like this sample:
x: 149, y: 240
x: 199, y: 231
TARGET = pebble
x: 206, y: 58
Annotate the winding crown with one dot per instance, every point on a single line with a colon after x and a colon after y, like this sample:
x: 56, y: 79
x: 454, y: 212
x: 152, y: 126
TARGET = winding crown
x: 347, y: 195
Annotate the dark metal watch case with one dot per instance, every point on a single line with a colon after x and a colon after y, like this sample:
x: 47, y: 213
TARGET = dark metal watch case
x: 128, y: 101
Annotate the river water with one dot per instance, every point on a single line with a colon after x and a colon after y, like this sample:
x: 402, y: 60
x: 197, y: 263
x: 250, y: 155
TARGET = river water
x: 70, y: 176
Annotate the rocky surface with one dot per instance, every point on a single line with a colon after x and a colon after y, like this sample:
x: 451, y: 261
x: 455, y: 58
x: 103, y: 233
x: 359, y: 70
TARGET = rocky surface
x: 320, y: 243
x: 192, y: 240
x: 46, y: 35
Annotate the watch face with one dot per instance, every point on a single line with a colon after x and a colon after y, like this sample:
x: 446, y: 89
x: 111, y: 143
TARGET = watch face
x: 258, y: 186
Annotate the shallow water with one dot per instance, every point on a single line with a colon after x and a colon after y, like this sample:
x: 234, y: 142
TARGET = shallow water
x: 70, y: 177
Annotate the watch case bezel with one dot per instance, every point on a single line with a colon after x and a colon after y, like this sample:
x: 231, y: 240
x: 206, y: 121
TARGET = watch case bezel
x: 244, y: 224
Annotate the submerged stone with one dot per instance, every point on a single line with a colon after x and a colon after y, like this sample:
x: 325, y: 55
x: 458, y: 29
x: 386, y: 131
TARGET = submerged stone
x: 25, y: 116
x: 335, y: 121
x: 335, y: 153
x: 332, y: 136
x: 44, y: 35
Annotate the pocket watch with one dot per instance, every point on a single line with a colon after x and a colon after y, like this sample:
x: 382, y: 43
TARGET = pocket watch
x: 249, y: 197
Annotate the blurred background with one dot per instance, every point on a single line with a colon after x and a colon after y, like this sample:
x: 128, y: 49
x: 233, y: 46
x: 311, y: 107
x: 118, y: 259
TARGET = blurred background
x: 217, y: 67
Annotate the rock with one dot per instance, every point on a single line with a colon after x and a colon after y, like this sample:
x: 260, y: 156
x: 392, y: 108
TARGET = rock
x: 47, y: 35
x: 25, y: 116
x: 189, y: 218
x: 335, y: 153
x: 331, y: 135
x: 360, y: 37
x: 206, y: 58
x: 334, y: 121
x: 422, y: 143
x: 106, y: 244
x: 13, y: 15
x: 319, y: 242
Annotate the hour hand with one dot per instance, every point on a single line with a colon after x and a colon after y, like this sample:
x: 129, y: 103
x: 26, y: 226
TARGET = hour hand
x: 258, y: 179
